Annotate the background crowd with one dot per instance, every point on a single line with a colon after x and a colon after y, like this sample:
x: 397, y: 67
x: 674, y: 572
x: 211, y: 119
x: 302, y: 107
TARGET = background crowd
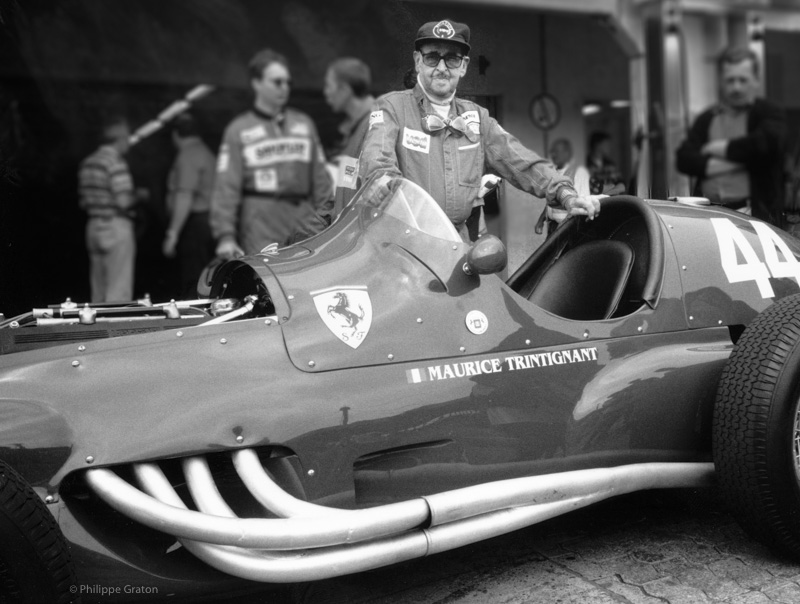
x: 272, y: 184
x: 166, y: 215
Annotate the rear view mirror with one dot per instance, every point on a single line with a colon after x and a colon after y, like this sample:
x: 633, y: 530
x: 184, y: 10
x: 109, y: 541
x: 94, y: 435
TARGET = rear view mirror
x: 486, y: 256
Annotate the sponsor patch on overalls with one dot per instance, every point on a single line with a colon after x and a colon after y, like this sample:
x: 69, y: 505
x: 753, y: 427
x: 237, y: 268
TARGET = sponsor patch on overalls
x: 348, y: 172
x: 278, y: 150
x: 416, y: 140
x: 376, y: 117
x: 266, y: 180
x: 253, y: 134
x: 299, y: 129
x: 473, y: 120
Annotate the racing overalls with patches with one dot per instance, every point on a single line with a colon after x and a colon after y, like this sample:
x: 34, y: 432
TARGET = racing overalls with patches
x: 271, y: 179
x: 449, y: 164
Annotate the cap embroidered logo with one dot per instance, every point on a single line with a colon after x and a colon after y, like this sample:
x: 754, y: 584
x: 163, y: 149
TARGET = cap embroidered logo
x: 443, y: 29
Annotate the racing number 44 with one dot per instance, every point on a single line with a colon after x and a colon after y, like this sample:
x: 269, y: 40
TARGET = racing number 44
x: 730, y: 238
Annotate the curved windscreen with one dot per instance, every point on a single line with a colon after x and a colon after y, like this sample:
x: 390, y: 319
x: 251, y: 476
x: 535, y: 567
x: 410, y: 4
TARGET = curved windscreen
x: 412, y: 205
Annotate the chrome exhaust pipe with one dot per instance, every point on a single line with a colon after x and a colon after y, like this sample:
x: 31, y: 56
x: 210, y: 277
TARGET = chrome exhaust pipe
x: 269, y: 494
x: 276, y: 567
x: 203, y: 489
x: 349, y: 541
x: 603, y: 482
x: 259, y: 533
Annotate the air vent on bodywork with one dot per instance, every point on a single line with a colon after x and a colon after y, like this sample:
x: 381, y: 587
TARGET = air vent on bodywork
x: 37, y: 337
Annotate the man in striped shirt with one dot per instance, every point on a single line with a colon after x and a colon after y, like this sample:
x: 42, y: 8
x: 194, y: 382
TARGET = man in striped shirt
x: 107, y: 196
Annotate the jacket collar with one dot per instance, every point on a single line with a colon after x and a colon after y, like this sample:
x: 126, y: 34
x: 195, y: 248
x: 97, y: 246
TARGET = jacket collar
x: 279, y: 117
x: 426, y: 107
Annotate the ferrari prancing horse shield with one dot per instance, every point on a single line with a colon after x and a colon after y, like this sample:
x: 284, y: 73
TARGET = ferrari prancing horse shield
x: 347, y: 311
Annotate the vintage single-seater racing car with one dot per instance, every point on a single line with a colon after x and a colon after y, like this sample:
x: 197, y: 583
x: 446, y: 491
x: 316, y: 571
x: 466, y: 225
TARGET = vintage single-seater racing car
x: 380, y: 392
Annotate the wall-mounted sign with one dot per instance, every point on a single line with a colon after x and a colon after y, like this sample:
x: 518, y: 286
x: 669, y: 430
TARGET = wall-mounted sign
x: 544, y: 111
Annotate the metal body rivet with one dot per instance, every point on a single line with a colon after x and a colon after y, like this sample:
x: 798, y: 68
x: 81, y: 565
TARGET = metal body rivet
x: 311, y: 472
x: 527, y: 342
x: 179, y: 334
x: 463, y: 349
x: 683, y: 268
x: 240, y: 439
x: 76, y: 363
x: 89, y: 459
x: 267, y: 322
x: 290, y: 296
x: 419, y: 319
x: 223, y: 341
x: 311, y: 363
x: 49, y: 499
x: 81, y: 348
x: 390, y: 357
x: 585, y: 334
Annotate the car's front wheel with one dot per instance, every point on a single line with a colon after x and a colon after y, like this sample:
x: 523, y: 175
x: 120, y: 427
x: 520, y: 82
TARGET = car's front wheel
x: 35, y: 564
x: 756, y: 428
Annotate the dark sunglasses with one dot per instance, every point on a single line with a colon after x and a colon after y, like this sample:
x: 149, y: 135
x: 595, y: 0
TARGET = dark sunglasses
x: 431, y: 59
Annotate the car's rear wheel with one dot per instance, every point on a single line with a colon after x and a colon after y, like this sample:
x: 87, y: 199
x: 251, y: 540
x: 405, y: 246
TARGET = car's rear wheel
x: 756, y: 428
x: 35, y: 564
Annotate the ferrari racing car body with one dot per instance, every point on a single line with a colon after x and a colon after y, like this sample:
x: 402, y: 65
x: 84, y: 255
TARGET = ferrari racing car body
x: 379, y: 393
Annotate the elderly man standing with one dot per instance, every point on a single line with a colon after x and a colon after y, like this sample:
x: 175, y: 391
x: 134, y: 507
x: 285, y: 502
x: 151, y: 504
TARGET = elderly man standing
x: 735, y: 148
x: 271, y: 178
x: 444, y: 143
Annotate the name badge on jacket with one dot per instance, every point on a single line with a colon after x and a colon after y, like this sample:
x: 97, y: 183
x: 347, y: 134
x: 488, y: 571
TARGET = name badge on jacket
x: 416, y: 140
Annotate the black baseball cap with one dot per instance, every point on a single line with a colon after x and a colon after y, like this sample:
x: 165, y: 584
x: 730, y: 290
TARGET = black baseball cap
x: 443, y: 31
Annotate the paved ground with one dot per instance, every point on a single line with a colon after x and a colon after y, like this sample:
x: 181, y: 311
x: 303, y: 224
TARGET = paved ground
x: 648, y: 548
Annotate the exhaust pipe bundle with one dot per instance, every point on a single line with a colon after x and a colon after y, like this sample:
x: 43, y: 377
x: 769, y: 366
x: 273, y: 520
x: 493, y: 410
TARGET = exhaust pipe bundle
x: 308, y: 542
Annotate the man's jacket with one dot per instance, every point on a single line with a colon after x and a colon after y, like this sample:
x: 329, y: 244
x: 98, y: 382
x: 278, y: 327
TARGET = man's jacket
x: 449, y: 163
x: 761, y: 150
x: 275, y: 158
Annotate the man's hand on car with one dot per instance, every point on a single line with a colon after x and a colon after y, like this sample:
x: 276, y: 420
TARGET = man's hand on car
x: 583, y: 206
x: 228, y: 249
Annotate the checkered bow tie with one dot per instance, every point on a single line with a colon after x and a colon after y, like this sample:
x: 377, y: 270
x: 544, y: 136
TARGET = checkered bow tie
x: 432, y: 123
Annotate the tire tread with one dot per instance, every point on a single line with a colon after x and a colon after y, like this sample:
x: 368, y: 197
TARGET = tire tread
x: 20, y: 504
x: 743, y: 412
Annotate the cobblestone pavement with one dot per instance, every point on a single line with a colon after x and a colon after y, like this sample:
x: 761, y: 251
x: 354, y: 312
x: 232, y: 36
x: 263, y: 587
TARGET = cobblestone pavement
x: 647, y: 548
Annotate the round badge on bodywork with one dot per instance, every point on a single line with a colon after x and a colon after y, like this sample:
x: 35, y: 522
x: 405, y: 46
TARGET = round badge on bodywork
x: 477, y: 322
